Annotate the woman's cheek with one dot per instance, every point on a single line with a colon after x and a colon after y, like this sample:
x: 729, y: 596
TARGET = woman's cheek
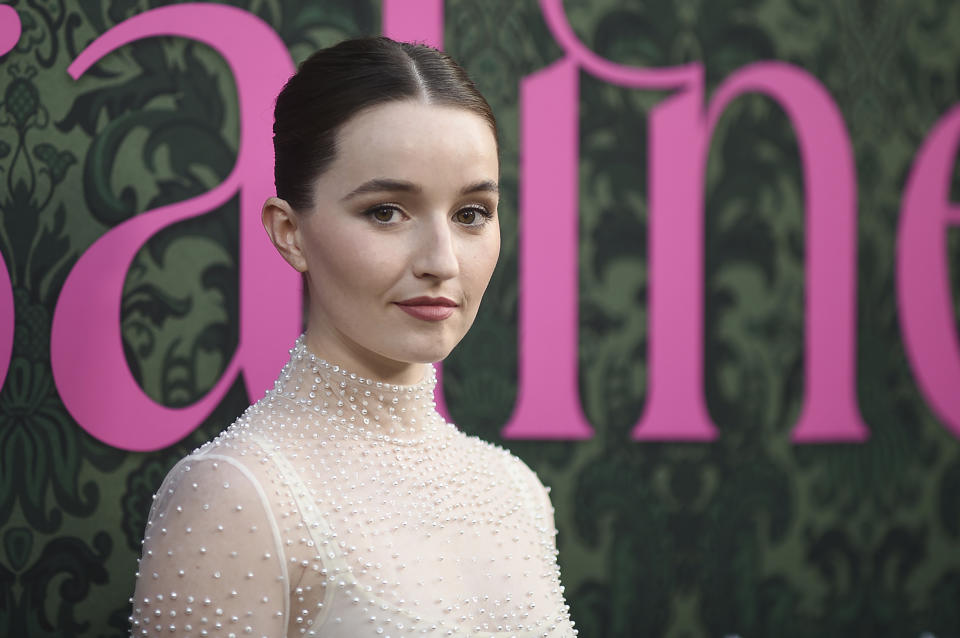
x: 488, y: 258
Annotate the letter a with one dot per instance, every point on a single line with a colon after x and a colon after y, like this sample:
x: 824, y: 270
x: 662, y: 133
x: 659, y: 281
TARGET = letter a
x: 89, y: 367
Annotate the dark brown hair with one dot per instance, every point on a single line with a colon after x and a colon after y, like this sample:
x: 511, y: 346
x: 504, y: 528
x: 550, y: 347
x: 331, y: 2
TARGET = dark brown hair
x: 336, y: 83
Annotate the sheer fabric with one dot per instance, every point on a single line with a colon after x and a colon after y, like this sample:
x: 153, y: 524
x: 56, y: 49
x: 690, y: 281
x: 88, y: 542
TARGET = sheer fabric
x: 339, y: 507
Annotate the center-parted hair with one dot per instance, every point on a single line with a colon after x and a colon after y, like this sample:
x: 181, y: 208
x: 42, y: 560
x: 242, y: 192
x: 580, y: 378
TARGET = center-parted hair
x: 336, y: 83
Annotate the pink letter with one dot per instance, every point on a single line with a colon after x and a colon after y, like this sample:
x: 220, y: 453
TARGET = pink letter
x: 548, y: 402
x: 927, y: 318
x: 680, y: 136
x: 830, y: 411
x: 10, y: 28
x: 548, y: 397
x: 680, y: 133
x: 89, y: 367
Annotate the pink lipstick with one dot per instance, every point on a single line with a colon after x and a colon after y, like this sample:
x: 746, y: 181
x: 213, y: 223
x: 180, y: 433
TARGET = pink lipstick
x: 428, y: 308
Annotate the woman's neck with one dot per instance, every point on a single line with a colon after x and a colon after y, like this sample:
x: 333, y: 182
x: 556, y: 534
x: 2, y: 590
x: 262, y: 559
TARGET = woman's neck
x: 340, y: 351
x: 358, y: 405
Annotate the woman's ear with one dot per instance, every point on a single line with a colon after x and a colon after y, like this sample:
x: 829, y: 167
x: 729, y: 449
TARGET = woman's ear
x: 283, y: 227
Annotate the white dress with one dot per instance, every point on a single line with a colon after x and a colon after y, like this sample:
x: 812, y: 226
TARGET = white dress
x: 342, y: 507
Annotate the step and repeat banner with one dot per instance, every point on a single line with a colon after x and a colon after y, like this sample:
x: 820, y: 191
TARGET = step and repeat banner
x: 724, y: 329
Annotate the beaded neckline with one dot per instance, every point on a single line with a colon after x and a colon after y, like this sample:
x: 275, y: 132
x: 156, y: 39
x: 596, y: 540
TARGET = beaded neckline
x: 300, y: 352
x: 358, y: 407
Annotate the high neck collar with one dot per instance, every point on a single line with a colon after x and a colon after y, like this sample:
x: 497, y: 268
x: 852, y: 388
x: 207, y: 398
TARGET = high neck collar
x: 358, y: 406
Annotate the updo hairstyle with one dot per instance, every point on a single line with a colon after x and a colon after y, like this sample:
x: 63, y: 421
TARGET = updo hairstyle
x: 336, y: 83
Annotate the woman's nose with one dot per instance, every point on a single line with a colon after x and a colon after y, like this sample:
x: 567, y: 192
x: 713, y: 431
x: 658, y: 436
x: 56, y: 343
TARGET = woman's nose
x: 436, y: 254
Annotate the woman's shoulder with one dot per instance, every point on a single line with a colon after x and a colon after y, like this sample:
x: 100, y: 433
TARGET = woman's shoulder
x: 509, y: 464
x: 212, y: 522
x: 237, y: 449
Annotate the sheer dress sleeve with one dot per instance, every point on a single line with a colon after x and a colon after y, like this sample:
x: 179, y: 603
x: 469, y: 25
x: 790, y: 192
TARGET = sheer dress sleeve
x: 213, y: 561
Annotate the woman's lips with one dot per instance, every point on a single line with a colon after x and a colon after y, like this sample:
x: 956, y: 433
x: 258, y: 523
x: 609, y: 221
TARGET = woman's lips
x: 428, y: 308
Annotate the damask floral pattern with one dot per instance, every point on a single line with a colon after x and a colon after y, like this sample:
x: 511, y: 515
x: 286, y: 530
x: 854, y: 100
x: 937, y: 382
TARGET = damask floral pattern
x: 747, y: 536
x: 40, y: 448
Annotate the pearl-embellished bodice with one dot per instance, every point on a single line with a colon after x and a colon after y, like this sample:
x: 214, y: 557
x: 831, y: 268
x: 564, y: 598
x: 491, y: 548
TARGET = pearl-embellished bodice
x: 343, y: 507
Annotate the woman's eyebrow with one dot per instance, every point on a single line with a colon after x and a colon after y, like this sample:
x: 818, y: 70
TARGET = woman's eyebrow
x: 487, y: 185
x: 383, y: 184
x: 388, y: 185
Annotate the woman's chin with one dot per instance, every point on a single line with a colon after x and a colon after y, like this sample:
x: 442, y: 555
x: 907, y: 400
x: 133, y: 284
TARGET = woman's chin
x: 428, y: 353
x: 434, y: 356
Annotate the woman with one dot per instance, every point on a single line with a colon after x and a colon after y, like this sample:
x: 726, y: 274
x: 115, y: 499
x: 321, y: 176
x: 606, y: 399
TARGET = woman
x: 342, y: 504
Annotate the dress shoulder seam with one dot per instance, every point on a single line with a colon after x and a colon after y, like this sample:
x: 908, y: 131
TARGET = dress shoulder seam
x: 297, y: 492
x: 274, y: 528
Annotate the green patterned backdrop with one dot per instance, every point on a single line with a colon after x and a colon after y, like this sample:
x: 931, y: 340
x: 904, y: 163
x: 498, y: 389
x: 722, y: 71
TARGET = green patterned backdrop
x: 749, y: 535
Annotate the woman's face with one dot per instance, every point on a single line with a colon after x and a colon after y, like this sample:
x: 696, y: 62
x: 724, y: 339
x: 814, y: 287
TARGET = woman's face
x: 403, y: 237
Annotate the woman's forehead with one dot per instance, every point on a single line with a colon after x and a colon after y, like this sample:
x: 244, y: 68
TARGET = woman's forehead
x: 416, y: 142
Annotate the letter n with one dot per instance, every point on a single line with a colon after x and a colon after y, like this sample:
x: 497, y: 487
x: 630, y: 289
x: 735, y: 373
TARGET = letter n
x: 675, y: 405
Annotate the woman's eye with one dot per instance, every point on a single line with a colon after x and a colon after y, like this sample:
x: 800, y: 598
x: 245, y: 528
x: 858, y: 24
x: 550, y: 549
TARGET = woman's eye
x: 466, y: 216
x: 471, y: 216
x: 384, y: 214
